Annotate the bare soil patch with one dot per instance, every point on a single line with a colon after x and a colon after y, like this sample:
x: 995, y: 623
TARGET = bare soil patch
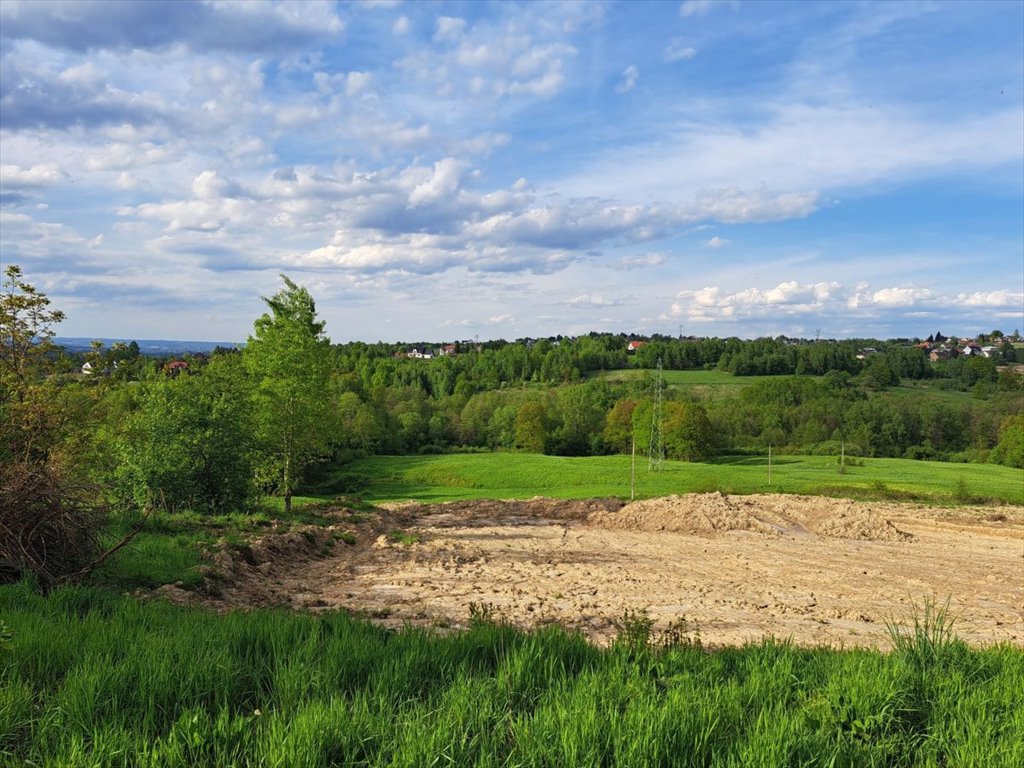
x: 737, y: 568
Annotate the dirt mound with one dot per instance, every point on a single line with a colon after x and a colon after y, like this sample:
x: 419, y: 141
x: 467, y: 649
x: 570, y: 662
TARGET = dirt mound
x: 834, y: 518
x: 864, y: 527
x: 699, y: 513
x: 709, y: 513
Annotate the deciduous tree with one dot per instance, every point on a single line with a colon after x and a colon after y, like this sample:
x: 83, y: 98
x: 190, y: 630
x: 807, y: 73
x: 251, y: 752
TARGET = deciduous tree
x: 289, y: 357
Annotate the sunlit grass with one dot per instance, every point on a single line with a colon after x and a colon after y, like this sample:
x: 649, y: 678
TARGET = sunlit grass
x: 518, y: 475
x: 93, y: 679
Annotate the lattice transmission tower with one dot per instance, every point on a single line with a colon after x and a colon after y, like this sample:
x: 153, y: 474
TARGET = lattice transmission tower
x: 654, y: 450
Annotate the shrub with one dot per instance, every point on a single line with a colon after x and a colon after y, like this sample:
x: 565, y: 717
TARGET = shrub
x: 50, y: 525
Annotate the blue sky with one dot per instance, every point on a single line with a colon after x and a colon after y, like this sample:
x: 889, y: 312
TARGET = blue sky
x: 443, y: 170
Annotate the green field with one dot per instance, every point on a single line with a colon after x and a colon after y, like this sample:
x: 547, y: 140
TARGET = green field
x: 683, y: 379
x: 89, y: 678
x: 521, y: 475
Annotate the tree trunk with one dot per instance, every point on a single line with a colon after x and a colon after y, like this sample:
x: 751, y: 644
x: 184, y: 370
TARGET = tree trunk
x: 287, y: 484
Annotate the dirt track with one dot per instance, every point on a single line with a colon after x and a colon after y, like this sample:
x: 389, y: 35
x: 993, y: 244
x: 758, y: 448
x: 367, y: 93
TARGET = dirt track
x: 738, y: 568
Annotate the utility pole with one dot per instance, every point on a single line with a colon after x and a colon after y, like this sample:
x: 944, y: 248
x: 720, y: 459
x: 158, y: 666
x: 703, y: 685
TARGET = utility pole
x: 632, y: 471
x: 654, y: 450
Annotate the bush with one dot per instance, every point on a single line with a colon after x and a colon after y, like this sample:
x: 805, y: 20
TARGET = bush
x: 189, y: 445
x: 49, y: 524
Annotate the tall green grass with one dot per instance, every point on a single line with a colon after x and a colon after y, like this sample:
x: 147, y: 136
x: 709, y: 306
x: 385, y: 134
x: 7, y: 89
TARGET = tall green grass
x: 93, y: 679
x: 520, y: 475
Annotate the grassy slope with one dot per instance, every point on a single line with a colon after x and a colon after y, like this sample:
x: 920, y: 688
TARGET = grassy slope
x: 684, y: 379
x: 517, y: 475
x: 95, y: 679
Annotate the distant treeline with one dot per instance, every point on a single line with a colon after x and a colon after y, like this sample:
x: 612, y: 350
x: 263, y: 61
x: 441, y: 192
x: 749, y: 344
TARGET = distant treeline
x: 496, y: 364
x: 547, y: 396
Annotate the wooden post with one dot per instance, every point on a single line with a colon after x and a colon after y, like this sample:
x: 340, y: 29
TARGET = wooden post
x: 769, y: 463
x: 842, y: 454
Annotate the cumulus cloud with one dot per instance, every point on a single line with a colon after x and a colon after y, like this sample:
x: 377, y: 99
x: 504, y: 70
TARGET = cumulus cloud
x: 848, y: 307
x: 715, y: 242
x: 43, y: 175
x: 789, y: 297
x: 629, y: 77
x: 443, y: 182
x: 496, y: 60
x: 998, y: 299
x: 897, y: 296
x: 83, y: 25
x: 734, y: 205
x: 43, y: 99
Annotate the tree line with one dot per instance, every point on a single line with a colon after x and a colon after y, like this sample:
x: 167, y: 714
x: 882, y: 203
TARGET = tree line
x: 240, y: 423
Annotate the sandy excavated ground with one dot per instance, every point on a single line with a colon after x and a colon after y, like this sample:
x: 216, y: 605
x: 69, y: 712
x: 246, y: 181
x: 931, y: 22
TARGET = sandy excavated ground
x: 817, y: 570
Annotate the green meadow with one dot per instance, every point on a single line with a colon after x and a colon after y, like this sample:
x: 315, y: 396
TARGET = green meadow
x: 684, y: 379
x: 523, y: 475
x: 90, y: 678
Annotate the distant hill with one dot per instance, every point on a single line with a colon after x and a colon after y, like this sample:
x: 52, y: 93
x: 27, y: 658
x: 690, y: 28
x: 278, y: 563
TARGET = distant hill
x: 150, y: 347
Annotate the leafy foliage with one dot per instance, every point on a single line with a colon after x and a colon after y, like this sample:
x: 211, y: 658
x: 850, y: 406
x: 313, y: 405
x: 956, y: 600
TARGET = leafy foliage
x: 289, y: 358
x: 189, y: 444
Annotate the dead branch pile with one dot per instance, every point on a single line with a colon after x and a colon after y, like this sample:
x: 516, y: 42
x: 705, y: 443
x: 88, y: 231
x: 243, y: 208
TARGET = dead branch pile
x: 49, y: 524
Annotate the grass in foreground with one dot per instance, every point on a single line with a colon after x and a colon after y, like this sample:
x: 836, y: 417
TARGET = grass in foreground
x: 521, y: 475
x: 93, y: 679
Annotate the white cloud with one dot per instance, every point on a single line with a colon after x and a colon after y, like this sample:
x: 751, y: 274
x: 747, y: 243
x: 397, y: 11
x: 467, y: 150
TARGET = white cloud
x: 449, y: 28
x: 640, y: 262
x: 803, y: 149
x: 831, y: 302
x: 400, y: 26
x: 788, y: 297
x: 715, y: 242
x: 357, y: 82
x: 629, y: 77
x: 701, y: 7
x: 43, y: 175
x: 444, y: 182
x: 999, y: 299
x: 514, y: 57
x: 595, y: 300
x: 677, y: 50
x: 734, y: 205
x: 120, y: 156
x: 897, y: 296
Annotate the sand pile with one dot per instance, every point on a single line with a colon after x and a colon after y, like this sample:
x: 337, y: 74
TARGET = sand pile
x: 708, y: 513
x: 859, y: 524
x: 699, y: 513
x: 835, y: 518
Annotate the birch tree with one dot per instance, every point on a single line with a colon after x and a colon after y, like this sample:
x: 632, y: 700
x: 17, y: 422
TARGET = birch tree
x: 289, y: 357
